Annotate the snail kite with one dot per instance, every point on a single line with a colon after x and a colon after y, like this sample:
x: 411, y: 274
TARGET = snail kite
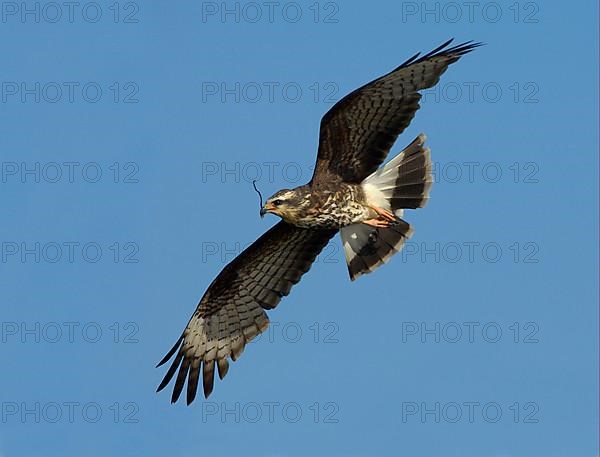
x: 348, y: 193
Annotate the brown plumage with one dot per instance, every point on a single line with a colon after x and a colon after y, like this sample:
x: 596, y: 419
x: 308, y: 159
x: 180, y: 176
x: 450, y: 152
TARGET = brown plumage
x: 347, y: 193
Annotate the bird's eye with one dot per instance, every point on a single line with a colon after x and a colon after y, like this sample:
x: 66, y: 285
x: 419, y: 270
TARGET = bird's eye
x: 277, y: 202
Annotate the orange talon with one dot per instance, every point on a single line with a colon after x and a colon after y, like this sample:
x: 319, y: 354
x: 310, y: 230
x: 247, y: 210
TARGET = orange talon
x: 384, y: 213
x: 379, y: 223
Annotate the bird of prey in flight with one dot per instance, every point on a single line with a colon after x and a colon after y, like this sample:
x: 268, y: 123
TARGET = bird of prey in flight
x: 348, y: 193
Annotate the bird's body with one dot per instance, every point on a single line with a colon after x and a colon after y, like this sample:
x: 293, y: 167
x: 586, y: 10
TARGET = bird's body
x: 329, y: 206
x: 349, y: 193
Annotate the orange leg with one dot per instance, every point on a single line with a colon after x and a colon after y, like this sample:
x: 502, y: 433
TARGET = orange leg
x: 379, y: 223
x: 385, y: 214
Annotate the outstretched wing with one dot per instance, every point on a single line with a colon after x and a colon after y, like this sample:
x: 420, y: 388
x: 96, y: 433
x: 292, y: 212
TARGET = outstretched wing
x: 357, y: 133
x: 232, y: 311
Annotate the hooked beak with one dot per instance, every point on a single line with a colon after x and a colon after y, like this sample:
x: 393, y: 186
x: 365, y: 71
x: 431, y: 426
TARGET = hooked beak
x: 266, y: 209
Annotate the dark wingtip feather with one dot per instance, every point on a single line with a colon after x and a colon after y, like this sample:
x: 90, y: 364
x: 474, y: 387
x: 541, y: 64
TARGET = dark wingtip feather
x: 222, y: 367
x: 171, y: 352
x: 410, y: 60
x: 438, y: 49
x: 190, y: 398
x: 208, y: 377
x: 183, y: 371
x: 192, y: 386
x: 443, y: 50
x: 170, y: 373
x: 463, y: 48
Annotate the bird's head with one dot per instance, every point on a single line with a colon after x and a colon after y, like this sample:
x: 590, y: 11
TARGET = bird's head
x: 286, y: 204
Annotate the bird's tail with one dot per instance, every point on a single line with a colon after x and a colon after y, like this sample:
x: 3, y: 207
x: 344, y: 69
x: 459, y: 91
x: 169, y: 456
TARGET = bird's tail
x: 367, y: 247
x: 402, y: 183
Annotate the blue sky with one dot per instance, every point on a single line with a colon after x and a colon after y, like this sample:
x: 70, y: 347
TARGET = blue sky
x: 130, y: 136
